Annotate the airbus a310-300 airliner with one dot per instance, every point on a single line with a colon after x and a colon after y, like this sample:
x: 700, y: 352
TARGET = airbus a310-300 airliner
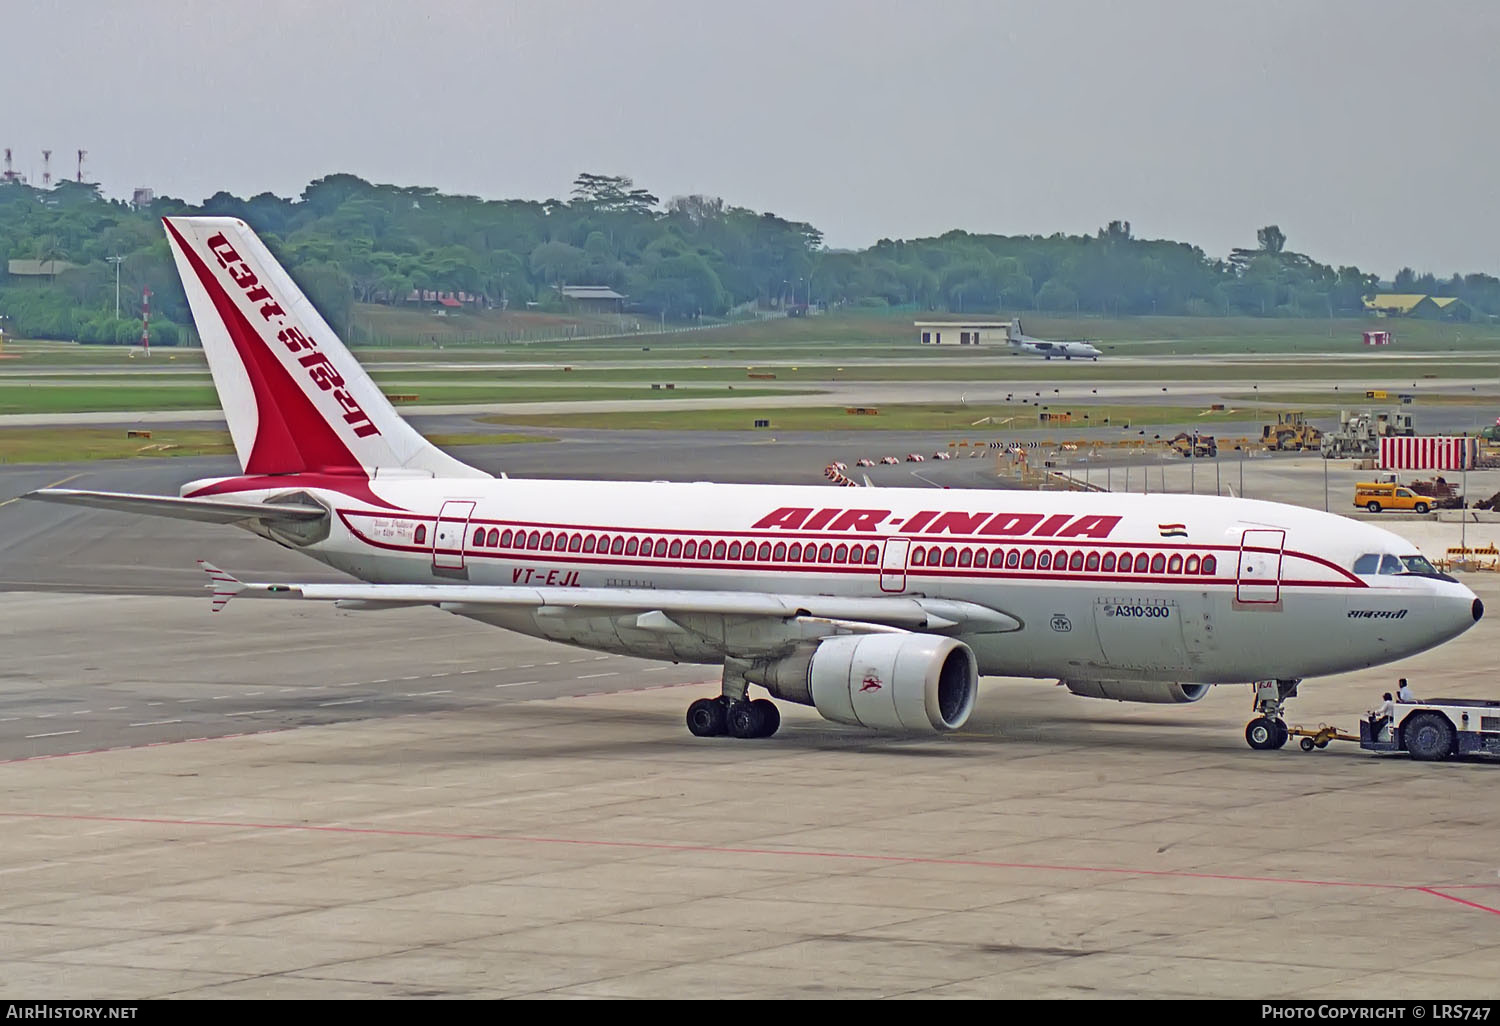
x: 881, y: 610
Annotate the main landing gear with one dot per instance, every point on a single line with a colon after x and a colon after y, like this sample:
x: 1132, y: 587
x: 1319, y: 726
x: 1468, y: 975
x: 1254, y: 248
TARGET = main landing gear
x: 733, y: 712
x: 1268, y: 731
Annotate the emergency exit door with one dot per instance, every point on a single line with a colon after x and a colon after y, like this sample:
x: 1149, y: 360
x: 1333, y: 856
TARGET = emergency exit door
x: 893, y: 564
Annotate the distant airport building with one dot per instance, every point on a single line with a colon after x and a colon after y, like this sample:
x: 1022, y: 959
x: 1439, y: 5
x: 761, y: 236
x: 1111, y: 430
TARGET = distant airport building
x: 591, y: 298
x: 963, y: 333
x: 1410, y: 304
x: 36, y: 271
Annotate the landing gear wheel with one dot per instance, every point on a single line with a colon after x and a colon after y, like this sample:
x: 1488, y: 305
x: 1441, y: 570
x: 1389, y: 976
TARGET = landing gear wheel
x: 1428, y: 737
x: 1308, y: 744
x: 705, y: 718
x: 770, y: 716
x: 1282, y: 734
x: 744, y: 720
x: 1265, y: 734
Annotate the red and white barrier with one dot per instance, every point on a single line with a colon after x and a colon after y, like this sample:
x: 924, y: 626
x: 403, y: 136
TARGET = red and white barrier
x: 1429, y: 453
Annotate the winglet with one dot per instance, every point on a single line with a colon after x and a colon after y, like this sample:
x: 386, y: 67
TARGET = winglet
x: 225, y: 586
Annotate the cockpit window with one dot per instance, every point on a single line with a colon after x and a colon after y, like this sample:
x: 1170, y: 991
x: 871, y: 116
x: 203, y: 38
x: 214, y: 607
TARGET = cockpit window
x: 1418, y: 565
x: 1390, y: 565
x: 1367, y: 564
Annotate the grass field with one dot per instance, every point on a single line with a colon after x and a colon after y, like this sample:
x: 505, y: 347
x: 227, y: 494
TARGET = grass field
x: 74, y: 445
x: 979, y: 419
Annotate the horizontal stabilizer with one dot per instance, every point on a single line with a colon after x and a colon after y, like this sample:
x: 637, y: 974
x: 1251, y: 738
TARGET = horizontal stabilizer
x: 208, y: 511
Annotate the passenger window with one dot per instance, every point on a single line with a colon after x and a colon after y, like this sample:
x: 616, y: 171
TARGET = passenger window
x: 1028, y: 560
x: 872, y: 554
x: 1390, y: 565
x: 825, y: 553
x: 479, y: 537
x: 1367, y: 564
x: 734, y: 550
x: 1124, y: 562
x: 841, y: 554
x: 779, y: 552
x: 1093, y: 562
x: 1075, y: 561
x: 950, y: 556
x: 547, y: 542
x: 981, y: 558
x: 575, y: 542
x: 1012, y: 559
x: 419, y: 536
x: 719, y: 550
x: 1108, y: 566
x: 534, y: 540
x: 749, y: 551
x: 918, y: 556
x: 794, y: 553
x: 1158, y: 563
x: 1192, y: 565
x: 632, y: 546
x: 765, y: 551
x: 616, y: 545
x: 1060, y: 560
x: 1044, y: 562
x: 588, y: 543
x: 1142, y: 561
x: 1174, y: 565
x: 965, y: 557
x: 675, y: 551
x: 505, y: 539
x: 690, y: 550
x: 661, y: 547
x: 1210, y: 565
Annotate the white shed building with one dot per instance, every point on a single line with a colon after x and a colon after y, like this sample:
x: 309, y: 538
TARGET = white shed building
x: 963, y: 333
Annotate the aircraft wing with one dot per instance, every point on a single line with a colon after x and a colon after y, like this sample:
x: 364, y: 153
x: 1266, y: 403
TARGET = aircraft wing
x: 204, y: 510
x: 649, y: 606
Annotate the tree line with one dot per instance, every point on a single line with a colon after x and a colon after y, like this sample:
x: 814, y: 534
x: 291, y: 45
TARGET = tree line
x: 346, y: 240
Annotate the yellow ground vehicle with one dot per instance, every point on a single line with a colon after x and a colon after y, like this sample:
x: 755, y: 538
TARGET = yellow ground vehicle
x: 1291, y: 432
x: 1375, y: 497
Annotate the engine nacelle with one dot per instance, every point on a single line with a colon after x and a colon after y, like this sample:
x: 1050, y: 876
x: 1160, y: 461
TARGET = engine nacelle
x: 1158, y: 692
x: 895, y: 682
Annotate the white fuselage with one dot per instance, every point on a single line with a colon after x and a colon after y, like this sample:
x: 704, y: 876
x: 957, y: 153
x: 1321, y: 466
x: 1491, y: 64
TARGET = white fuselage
x: 1217, y: 590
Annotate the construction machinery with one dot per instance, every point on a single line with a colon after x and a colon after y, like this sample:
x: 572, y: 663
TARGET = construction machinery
x: 1360, y: 431
x: 1291, y: 433
x: 1194, y: 445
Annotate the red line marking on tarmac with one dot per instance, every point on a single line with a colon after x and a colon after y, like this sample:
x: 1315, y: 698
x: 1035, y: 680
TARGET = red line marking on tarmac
x: 714, y: 849
x: 1461, y: 901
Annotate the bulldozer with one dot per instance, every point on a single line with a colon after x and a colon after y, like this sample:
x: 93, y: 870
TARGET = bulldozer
x: 1291, y: 433
x: 1190, y: 445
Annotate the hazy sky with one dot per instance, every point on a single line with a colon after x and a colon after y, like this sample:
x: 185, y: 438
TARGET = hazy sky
x: 1364, y: 128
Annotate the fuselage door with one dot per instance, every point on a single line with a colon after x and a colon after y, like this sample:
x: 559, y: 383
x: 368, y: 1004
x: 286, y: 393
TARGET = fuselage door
x: 893, y: 564
x: 1258, y: 579
x: 448, y: 539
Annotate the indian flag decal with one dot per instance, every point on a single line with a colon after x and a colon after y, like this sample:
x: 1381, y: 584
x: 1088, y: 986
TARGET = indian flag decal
x: 1173, y: 530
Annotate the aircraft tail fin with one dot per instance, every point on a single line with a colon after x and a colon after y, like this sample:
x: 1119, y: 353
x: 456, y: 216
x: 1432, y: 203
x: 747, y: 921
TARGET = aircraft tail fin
x: 295, y: 398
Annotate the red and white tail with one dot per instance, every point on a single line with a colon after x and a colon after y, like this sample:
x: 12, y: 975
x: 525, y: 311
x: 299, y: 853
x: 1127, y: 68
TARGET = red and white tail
x: 295, y: 398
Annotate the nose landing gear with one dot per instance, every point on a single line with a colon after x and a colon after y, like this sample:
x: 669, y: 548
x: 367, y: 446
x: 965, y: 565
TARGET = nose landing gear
x: 1268, y: 731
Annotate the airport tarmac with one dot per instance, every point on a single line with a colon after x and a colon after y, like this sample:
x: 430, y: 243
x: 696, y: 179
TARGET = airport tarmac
x: 286, y: 800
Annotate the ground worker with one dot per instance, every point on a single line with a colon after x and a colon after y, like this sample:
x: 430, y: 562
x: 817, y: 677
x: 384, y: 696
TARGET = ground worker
x: 1403, y: 692
x: 1382, y: 716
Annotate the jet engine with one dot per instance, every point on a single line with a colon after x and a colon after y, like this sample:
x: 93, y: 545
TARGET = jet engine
x: 894, y: 682
x: 1158, y: 692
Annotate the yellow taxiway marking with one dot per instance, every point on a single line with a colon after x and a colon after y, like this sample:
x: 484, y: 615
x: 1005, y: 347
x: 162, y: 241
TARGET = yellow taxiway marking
x: 54, y: 484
